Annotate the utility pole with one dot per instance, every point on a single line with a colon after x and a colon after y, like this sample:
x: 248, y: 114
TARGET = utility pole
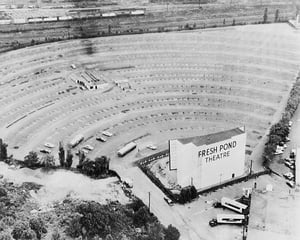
x: 167, y: 6
x: 149, y: 195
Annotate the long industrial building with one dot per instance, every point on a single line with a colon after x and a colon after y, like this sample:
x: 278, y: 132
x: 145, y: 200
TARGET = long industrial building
x: 208, y: 160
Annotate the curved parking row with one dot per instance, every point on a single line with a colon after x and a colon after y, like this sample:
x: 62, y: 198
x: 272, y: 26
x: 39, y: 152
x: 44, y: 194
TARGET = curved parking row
x: 179, y: 82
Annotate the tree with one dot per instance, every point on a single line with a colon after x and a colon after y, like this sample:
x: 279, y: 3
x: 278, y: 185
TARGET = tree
x: 5, y: 236
x: 3, y: 150
x: 109, y: 237
x: 32, y: 160
x: 171, y: 233
x: 88, y: 167
x: 48, y: 161
x: 61, y: 154
x: 265, y: 15
x: 276, y: 15
x: 23, y: 231
x: 156, y: 231
x: 55, y: 235
x: 38, y: 226
x: 101, y: 165
x: 141, y: 217
x: 81, y: 157
x: 69, y: 159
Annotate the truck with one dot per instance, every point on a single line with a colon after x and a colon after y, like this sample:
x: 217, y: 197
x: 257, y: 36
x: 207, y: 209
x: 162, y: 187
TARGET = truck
x: 237, y: 219
x: 126, y: 149
x: 232, y: 205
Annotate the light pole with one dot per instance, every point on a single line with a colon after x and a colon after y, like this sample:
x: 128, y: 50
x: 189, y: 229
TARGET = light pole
x: 220, y: 177
x: 149, y: 196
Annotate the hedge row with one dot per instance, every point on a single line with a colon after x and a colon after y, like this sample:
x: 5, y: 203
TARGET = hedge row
x: 280, y: 131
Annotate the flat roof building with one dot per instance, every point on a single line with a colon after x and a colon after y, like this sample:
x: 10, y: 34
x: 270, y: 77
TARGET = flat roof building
x: 208, y: 160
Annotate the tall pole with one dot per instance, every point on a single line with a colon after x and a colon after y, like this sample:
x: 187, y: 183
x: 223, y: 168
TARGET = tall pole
x: 149, y: 195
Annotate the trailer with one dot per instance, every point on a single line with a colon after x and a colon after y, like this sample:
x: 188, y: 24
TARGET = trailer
x: 237, y: 219
x: 234, y: 205
x: 126, y: 149
x: 76, y: 140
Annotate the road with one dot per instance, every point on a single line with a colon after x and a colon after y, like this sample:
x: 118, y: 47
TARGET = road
x: 275, y: 215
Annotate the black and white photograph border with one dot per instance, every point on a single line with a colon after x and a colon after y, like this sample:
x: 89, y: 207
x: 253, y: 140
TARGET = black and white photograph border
x: 149, y: 119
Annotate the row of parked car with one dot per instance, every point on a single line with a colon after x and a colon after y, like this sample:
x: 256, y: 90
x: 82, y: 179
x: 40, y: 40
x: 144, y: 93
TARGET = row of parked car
x: 290, y: 163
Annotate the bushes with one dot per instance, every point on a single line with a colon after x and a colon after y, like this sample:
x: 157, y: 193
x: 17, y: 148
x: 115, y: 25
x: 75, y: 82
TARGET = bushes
x: 48, y: 161
x: 3, y: 150
x: 32, y: 230
x: 38, y: 226
x: 5, y: 236
x: 23, y: 231
x: 141, y: 217
x: 187, y: 194
x: 92, y: 220
x: 171, y: 233
x: 31, y: 160
x: 279, y: 131
x: 96, y: 168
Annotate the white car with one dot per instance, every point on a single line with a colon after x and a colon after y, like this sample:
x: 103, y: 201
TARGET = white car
x: 88, y: 147
x: 278, y: 152
x: 152, y: 147
x: 290, y: 184
x: 49, y: 145
x: 85, y: 151
x: 289, y: 176
x: 288, y: 164
x: 107, y: 134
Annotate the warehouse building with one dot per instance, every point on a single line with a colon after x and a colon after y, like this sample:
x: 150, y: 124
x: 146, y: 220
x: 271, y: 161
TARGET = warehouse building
x: 208, y: 160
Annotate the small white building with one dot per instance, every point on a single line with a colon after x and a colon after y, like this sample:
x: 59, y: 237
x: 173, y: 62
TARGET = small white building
x: 208, y: 160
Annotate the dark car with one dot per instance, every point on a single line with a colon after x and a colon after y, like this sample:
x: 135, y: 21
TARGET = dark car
x: 101, y: 139
x: 213, y: 222
x: 217, y: 205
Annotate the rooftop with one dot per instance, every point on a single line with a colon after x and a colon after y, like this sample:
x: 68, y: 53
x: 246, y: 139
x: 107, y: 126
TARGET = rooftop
x: 212, y: 138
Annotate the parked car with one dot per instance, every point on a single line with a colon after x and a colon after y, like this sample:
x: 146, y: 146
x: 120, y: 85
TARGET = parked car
x: 293, y: 153
x: 152, y: 147
x: 101, y: 139
x: 169, y: 201
x: 49, y: 145
x: 289, y: 176
x: 288, y: 164
x: 45, y: 151
x: 290, y: 184
x: 88, y: 147
x: 107, y: 134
